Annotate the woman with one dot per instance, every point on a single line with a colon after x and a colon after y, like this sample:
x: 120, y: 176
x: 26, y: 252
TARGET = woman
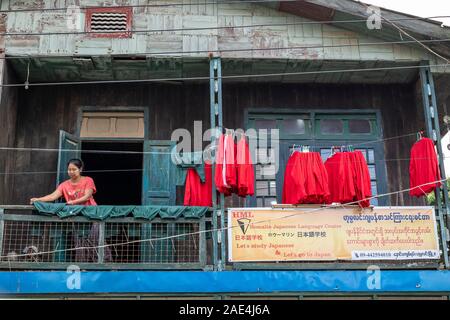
x: 77, y: 190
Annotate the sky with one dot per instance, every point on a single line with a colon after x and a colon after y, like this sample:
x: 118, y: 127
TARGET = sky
x: 419, y: 8
x: 423, y: 8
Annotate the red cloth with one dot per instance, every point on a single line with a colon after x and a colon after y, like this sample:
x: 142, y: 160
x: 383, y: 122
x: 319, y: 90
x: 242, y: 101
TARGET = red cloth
x: 225, y: 171
x: 197, y: 193
x: 340, y: 172
x: 362, y: 178
x: 305, y: 179
x: 245, y: 170
x: 230, y: 150
x: 423, y: 168
x: 76, y: 191
x: 349, y: 178
x: 293, y: 185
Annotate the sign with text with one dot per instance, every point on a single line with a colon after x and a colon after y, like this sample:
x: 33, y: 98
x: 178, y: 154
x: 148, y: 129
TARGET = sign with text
x: 305, y: 234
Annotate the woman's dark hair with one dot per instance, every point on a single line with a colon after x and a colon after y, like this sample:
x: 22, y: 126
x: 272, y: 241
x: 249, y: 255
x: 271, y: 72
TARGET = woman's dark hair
x: 76, y: 162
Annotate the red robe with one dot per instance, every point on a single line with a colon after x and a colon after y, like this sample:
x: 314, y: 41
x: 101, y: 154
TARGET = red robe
x: 197, y: 193
x: 245, y: 170
x: 225, y: 175
x: 423, y: 168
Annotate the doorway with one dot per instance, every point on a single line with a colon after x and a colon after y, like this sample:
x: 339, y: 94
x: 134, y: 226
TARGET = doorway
x: 116, y: 168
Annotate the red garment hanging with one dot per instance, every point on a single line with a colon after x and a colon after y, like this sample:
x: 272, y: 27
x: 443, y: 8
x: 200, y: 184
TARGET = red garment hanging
x: 225, y: 168
x: 340, y: 179
x: 349, y: 178
x: 305, y: 179
x: 423, y: 168
x: 197, y: 193
x: 293, y: 186
x: 230, y: 150
x: 245, y: 170
x: 362, y: 178
x: 316, y: 182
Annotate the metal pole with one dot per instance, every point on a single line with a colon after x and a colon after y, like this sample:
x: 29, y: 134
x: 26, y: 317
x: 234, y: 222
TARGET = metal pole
x: 213, y: 115
x: 2, y: 227
x: 433, y: 131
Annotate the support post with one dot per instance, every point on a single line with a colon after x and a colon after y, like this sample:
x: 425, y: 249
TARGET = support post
x: 433, y: 131
x: 101, y: 242
x: 215, y: 88
x: 2, y: 228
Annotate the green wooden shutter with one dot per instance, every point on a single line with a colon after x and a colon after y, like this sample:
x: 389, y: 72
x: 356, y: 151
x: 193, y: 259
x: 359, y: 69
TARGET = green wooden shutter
x: 158, y: 181
x: 158, y: 188
x: 69, y: 148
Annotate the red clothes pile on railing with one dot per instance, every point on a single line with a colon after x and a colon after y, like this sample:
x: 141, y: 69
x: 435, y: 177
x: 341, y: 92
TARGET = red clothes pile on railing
x: 234, y: 172
x: 424, y: 172
x: 349, y: 178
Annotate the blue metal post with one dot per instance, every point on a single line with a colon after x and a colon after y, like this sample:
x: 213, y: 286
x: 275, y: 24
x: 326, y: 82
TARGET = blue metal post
x: 434, y: 132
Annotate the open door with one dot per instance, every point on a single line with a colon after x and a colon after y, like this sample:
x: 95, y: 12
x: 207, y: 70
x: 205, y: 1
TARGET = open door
x: 158, y: 188
x: 69, y: 148
x: 158, y: 180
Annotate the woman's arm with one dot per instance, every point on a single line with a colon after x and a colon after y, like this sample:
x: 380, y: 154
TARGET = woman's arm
x: 83, y: 199
x: 48, y: 198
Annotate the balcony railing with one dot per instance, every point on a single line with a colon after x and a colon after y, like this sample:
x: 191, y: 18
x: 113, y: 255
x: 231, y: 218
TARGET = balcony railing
x: 32, y: 241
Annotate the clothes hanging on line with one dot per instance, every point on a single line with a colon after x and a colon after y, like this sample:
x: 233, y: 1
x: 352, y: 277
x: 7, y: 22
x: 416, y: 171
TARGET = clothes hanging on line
x: 245, y: 170
x: 234, y: 172
x: 186, y: 161
x: 305, y: 179
x: 349, y: 178
x: 423, y: 168
x: 196, y: 192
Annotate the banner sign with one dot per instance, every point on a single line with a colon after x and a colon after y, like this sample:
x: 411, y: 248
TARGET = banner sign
x: 305, y: 234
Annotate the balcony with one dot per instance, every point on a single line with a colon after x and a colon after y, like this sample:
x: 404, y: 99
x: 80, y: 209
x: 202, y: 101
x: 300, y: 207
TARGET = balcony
x: 32, y: 241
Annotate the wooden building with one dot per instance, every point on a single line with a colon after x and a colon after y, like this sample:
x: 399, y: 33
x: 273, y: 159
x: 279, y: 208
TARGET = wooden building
x: 312, y: 69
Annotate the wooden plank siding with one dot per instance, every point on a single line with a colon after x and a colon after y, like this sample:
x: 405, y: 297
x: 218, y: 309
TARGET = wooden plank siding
x: 43, y: 111
x: 8, y: 117
x: 200, y: 16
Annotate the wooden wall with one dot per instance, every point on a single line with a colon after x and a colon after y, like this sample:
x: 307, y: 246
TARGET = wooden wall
x: 43, y: 111
x: 200, y: 14
x: 8, y: 115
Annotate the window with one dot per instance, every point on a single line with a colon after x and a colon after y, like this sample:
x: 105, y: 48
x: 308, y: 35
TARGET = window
x: 320, y: 130
x: 112, y: 125
x: 331, y: 126
x: 265, y: 124
x: 359, y: 126
x: 294, y: 126
x: 266, y: 184
x: 114, y: 22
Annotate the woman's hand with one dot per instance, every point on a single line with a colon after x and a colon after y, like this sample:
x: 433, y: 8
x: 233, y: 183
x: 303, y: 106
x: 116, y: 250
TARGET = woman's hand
x: 32, y: 200
x: 70, y: 202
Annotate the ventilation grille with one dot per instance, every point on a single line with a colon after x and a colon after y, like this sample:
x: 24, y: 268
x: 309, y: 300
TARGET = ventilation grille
x: 104, y: 22
x: 109, y: 21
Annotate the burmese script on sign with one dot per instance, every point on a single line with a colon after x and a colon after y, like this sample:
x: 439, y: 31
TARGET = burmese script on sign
x: 394, y: 233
